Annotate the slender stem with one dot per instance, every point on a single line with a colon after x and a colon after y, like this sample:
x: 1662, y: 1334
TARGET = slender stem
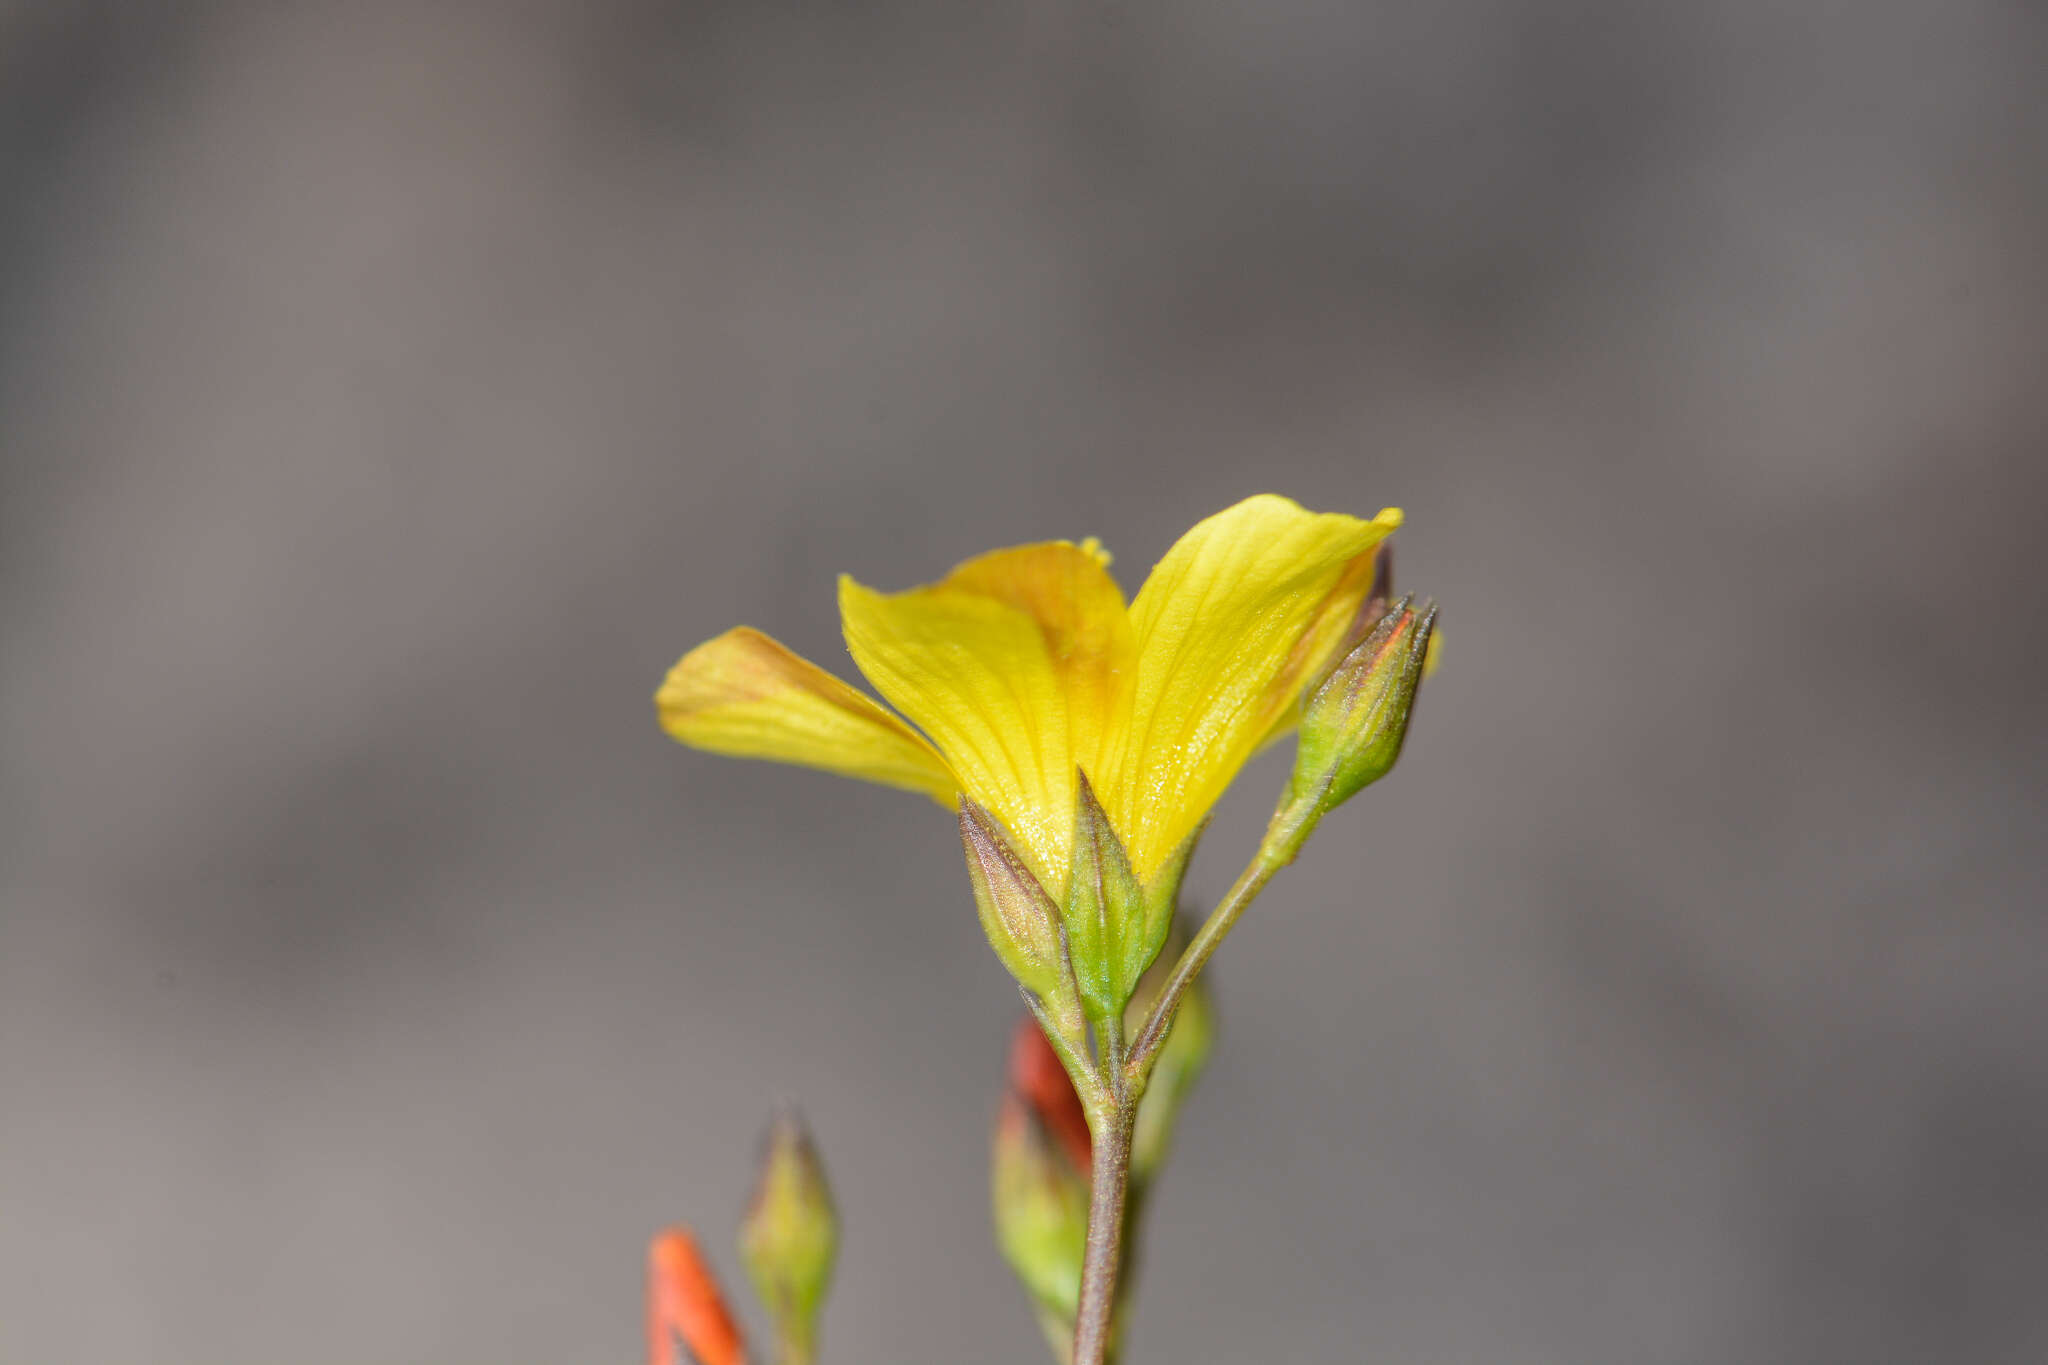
x: 1109, y: 1184
x: 1152, y: 1033
x: 1284, y: 836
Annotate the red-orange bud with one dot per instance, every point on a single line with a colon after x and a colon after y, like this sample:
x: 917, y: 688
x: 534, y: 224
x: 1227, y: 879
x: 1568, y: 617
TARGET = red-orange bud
x: 687, y: 1320
x: 1038, y: 1078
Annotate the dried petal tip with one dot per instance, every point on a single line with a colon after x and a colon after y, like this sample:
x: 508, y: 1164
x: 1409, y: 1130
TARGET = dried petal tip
x: 687, y: 1320
x: 1353, y: 724
x: 1375, y: 604
x: 790, y: 1235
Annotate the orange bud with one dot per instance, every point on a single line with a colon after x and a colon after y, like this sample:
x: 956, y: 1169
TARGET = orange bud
x: 1037, y: 1076
x: 687, y: 1321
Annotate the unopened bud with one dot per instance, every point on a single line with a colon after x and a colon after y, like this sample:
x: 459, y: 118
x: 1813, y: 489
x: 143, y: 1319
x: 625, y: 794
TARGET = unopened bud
x: 1353, y: 724
x: 1020, y: 919
x: 1037, y: 1075
x: 1040, y: 1202
x: 790, y: 1235
x: 687, y: 1320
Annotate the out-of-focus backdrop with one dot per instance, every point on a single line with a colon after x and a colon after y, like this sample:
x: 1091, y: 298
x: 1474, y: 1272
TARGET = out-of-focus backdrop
x: 390, y: 392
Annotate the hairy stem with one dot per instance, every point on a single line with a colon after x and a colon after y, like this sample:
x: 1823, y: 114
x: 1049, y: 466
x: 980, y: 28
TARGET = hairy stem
x: 1121, y: 1071
x: 1285, y: 834
x: 1109, y: 1184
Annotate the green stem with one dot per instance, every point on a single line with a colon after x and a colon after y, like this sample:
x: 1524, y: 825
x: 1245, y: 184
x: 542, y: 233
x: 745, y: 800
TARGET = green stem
x: 1109, y: 1184
x: 1285, y: 834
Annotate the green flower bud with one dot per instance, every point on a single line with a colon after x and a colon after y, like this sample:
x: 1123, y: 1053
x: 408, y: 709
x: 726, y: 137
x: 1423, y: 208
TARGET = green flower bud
x: 1353, y: 723
x: 790, y: 1235
x: 1040, y: 1201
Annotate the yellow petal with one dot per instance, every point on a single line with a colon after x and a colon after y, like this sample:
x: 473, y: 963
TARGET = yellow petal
x: 1338, y: 626
x: 747, y: 695
x: 1013, y: 665
x: 1241, y: 612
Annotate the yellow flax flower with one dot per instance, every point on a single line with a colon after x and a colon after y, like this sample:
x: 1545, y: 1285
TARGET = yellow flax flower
x: 1024, y: 667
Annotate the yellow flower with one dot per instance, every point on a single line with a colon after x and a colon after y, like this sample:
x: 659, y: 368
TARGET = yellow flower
x: 1024, y: 666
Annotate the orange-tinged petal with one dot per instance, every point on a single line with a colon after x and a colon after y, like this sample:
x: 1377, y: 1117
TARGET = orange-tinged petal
x: 747, y: 695
x: 1339, y: 624
x: 1239, y: 615
x: 1013, y: 664
x: 1080, y: 613
x: 683, y: 1304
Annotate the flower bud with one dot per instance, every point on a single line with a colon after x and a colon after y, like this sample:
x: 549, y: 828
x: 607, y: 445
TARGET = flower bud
x: 687, y: 1321
x: 1353, y: 724
x: 1020, y: 919
x: 790, y: 1235
x: 1039, y: 1182
x: 1040, y: 1200
x: 1036, y: 1075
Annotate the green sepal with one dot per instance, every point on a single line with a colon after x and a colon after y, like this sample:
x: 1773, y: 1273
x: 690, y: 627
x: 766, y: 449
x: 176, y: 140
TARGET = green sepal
x: 1104, y: 911
x: 1354, y: 723
x: 1116, y: 924
x: 1020, y: 919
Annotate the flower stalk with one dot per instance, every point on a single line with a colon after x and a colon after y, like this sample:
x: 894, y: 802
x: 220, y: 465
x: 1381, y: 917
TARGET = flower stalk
x: 1282, y: 842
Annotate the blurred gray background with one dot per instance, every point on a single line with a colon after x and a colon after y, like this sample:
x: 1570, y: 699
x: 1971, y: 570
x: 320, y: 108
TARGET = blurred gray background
x: 389, y: 392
